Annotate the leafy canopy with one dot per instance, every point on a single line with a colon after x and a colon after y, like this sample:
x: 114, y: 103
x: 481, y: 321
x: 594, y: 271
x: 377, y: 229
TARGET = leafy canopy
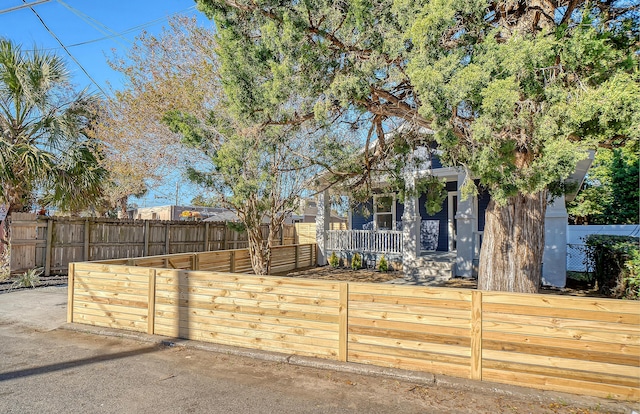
x: 514, y: 93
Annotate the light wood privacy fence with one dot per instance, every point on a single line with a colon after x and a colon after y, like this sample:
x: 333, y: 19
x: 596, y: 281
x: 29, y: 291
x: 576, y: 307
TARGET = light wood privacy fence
x: 54, y: 242
x: 579, y: 345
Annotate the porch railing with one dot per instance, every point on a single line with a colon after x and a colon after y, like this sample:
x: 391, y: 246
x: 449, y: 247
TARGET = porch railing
x: 365, y: 241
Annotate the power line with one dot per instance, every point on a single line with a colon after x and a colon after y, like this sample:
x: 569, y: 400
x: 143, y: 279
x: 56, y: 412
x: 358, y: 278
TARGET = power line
x: 91, y: 21
x: 65, y: 48
x: 35, y: 3
x: 126, y: 31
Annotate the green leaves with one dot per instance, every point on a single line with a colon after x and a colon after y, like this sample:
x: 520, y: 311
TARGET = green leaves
x: 45, y: 128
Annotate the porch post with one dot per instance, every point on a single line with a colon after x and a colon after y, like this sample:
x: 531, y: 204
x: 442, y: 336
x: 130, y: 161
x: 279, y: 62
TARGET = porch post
x: 466, y: 222
x: 410, y: 232
x: 323, y: 218
x: 554, y: 259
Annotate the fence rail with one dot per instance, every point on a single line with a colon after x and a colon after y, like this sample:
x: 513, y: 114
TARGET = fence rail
x: 580, y: 345
x: 365, y: 241
x: 53, y: 242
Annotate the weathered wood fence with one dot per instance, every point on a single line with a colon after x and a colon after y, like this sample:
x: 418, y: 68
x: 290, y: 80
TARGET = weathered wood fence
x: 579, y: 345
x: 53, y: 242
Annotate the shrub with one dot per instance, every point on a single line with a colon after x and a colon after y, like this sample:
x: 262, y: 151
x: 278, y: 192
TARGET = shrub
x: 334, y: 260
x: 615, y: 261
x: 383, y: 266
x: 28, y: 279
x: 356, y: 261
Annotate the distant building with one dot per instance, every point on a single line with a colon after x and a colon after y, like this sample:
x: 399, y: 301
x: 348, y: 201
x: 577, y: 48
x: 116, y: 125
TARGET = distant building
x: 185, y: 213
x: 308, y: 211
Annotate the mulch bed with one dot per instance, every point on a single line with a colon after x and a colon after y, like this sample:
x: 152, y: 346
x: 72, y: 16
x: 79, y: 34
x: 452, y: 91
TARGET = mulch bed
x: 373, y: 276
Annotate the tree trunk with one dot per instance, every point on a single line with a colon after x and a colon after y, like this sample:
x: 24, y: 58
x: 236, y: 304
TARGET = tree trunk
x: 260, y: 254
x: 513, y: 244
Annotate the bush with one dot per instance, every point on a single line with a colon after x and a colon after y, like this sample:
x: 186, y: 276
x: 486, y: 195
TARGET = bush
x: 334, y: 260
x: 30, y: 278
x: 383, y: 266
x: 615, y: 261
x: 356, y: 261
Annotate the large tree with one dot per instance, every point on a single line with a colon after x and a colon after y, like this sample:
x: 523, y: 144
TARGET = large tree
x: 515, y: 91
x: 48, y: 154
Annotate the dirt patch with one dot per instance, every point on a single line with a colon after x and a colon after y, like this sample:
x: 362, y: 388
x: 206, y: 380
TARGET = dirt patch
x: 347, y: 275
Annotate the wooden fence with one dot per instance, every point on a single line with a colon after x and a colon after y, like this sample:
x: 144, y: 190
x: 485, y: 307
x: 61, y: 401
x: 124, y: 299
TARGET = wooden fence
x: 53, y: 242
x: 579, y: 345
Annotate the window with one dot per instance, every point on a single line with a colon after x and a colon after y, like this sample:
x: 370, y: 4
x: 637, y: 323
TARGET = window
x: 384, y: 212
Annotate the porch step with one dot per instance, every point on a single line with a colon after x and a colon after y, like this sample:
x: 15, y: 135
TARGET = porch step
x: 428, y: 269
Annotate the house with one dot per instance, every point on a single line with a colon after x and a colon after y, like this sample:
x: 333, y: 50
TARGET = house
x: 437, y: 246
x: 308, y: 210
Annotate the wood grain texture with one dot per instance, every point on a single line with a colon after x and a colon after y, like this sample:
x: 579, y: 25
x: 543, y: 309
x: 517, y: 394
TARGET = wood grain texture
x: 580, y: 345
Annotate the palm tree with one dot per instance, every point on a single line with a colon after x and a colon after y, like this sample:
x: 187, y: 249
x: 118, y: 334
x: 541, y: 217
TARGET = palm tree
x: 46, y: 147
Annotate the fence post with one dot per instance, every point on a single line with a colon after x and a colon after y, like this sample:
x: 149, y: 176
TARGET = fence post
x: 145, y: 251
x: 48, y: 247
x: 297, y: 256
x: 282, y: 234
x: 476, y: 335
x: 343, y: 316
x: 152, y: 302
x: 232, y: 261
x: 70, y: 289
x: 167, y: 240
x: 206, y: 237
x: 86, y: 240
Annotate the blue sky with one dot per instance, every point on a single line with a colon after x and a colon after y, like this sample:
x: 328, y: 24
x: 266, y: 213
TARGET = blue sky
x: 84, y: 21
x: 93, y: 30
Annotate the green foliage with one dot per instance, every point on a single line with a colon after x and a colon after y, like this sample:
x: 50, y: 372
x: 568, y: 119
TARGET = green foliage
x: 383, y: 265
x: 28, y: 279
x: 530, y: 95
x: 615, y: 260
x: 610, y: 193
x: 632, y: 276
x: 356, y: 261
x: 436, y: 193
x: 46, y: 143
x: 334, y: 260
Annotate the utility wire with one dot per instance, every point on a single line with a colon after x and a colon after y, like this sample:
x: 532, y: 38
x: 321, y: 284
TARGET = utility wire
x: 93, y: 22
x: 126, y: 31
x: 35, y: 3
x: 65, y: 48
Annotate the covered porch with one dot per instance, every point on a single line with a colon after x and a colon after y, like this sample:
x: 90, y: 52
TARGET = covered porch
x: 425, y: 246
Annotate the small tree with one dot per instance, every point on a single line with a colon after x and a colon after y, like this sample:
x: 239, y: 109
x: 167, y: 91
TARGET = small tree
x: 250, y: 172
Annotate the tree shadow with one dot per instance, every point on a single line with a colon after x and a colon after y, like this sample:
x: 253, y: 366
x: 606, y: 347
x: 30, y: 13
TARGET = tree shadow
x: 5, y: 376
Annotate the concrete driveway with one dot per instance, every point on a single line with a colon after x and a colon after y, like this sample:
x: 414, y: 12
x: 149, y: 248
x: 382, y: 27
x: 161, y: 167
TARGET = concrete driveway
x: 47, y: 366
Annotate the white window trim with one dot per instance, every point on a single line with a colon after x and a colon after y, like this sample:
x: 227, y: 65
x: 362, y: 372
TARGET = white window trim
x: 375, y: 210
